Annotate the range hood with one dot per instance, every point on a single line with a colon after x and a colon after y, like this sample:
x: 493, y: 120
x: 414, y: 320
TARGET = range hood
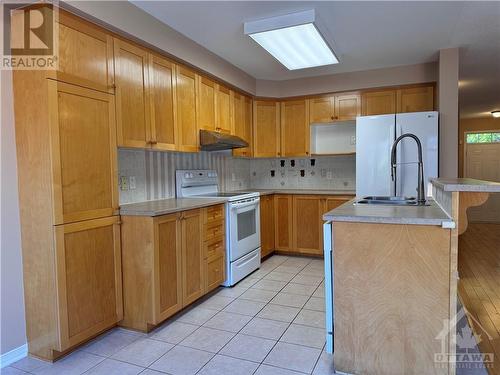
x: 215, y: 141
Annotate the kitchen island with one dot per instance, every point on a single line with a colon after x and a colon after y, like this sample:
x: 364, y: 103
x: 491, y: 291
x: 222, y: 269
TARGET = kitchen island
x: 393, y: 281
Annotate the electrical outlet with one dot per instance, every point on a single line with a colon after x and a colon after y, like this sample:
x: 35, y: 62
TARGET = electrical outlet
x: 329, y: 175
x: 123, y: 183
x: 131, y: 183
x: 353, y: 140
x: 233, y: 177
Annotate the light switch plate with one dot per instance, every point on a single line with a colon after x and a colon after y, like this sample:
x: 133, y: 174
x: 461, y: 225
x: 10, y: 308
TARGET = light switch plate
x: 123, y: 183
x: 131, y: 183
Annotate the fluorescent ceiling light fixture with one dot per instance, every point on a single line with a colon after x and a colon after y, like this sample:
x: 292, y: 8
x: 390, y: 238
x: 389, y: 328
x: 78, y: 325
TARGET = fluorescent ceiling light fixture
x: 293, y: 39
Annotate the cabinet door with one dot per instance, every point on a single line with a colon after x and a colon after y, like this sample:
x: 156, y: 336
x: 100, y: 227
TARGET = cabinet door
x: 85, y: 54
x: 206, y: 103
x: 132, y: 99
x: 164, y: 134
x: 266, y: 225
x: 266, y: 129
x: 295, y: 128
x: 322, y: 109
x: 415, y: 99
x: 347, y: 107
x: 186, y: 110
x: 223, y: 110
x: 89, y: 280
x: 307, y: 224
x: 335, y: 201
x: 192, y: 256
x: 283, y: 222
x: 242, y: 123
x: 168, y: 267
x: 378, y: 102
x: 83, y: 152
x: 216, y: 272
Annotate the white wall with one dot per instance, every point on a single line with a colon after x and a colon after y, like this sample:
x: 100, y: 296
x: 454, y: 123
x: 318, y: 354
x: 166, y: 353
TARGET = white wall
x: 12, y: 322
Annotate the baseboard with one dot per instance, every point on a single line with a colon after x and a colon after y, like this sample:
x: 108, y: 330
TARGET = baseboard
x: 14, y: 355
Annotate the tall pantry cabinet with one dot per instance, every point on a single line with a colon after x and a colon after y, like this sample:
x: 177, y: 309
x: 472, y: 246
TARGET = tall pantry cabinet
x: 66, y: 153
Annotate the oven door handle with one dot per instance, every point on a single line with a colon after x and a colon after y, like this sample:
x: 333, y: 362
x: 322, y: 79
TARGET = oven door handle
x: 235, y: 206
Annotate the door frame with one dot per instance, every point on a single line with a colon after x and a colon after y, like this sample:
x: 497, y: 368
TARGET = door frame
x: 464, y: 166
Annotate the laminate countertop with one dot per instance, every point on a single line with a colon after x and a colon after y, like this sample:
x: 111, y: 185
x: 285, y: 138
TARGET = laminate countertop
x: 167, y: 206
x: 303, y: 192
x: 466, y: 184
x: 386, y: 214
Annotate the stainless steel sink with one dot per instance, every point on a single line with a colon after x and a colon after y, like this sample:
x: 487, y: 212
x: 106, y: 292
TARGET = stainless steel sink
x: 390, y: 201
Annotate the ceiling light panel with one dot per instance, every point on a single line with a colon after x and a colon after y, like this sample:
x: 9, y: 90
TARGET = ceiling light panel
x: 294, y: 40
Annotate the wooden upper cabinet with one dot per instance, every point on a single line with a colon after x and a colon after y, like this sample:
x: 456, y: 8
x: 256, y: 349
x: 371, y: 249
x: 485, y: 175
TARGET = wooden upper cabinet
x: 85, y: 54
x: 334, y: 201
x: 322, y: 109
x: 242, y: 123
x: 267, y: 225
x: 83, y: 129
x: 187, y: 109
x: 266, y: 129
x: 223, y: 110
x: 415, y: 99
x: 167, y: 292
x: 347, y: 107
x: 88, y: 279
x: 206, y: 91
x: 295, y: 128
x: 132, y: 99
x: 283, y: 222
x: 164, y: 132
x: 193, y: 262
x: 307, y: 224
x: 378, y: 102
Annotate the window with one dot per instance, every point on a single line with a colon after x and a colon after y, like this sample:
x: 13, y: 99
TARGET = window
x: 493, y: 137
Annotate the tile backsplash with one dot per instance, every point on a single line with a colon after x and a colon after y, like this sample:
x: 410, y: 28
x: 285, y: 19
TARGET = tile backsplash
x: 324, y: 172
x: 149, y: 175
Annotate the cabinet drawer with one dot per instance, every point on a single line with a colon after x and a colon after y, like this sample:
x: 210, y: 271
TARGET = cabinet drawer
x: 215, y: 272
x: 214, y: 214
x: 214, y: 231
x: 214, y: 247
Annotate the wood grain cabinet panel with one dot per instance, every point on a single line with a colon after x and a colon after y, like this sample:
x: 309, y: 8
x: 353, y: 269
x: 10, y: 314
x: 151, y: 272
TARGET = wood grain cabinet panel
x: 164, y: 132
x: 193, y: 281
x: 283, y: 223
x: 295, y: 128
x: 85, y: 54
x: 83, y: 128
x: 205, y: 94
x: 378, y: 102
x: 187, y: 110
x: 223, y: 110
x: 242, y: 123
x: 307, y: 224
x: 322, y: 110
x: 132, y: 95
x: 266, y: 129
x: 415, y: 99
x: 215, y: 274
x: 88, y: 262
x: 267, y: 225
x: 334, y: 201
x: 347, y: 107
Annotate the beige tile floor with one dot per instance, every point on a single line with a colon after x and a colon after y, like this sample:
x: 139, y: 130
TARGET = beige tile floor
x: 271, y: 323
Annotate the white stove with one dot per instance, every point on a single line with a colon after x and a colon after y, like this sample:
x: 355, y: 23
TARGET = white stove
x: 242, y: 213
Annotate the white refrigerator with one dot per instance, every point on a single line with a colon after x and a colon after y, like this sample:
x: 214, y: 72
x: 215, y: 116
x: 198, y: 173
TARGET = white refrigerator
x: 374, y: 138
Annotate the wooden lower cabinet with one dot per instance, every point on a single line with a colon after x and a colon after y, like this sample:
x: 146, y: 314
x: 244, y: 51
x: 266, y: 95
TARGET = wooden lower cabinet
x: 266, y: 225
x: 214, y: 246
x: 298, y: 222
x: 168, y: 264
x: 88, y: 279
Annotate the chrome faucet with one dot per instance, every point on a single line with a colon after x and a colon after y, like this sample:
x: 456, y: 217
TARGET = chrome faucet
x: 420, y: 187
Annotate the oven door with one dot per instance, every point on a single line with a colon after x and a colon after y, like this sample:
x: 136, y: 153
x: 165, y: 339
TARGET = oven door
x: 244, y: 227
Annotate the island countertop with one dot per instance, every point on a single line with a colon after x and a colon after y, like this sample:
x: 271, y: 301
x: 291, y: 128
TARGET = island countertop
x: 387, y: 214
x: 466, y: 184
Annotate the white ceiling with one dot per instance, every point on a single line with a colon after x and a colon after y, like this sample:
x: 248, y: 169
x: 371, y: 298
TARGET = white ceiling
x: 366, y: 35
